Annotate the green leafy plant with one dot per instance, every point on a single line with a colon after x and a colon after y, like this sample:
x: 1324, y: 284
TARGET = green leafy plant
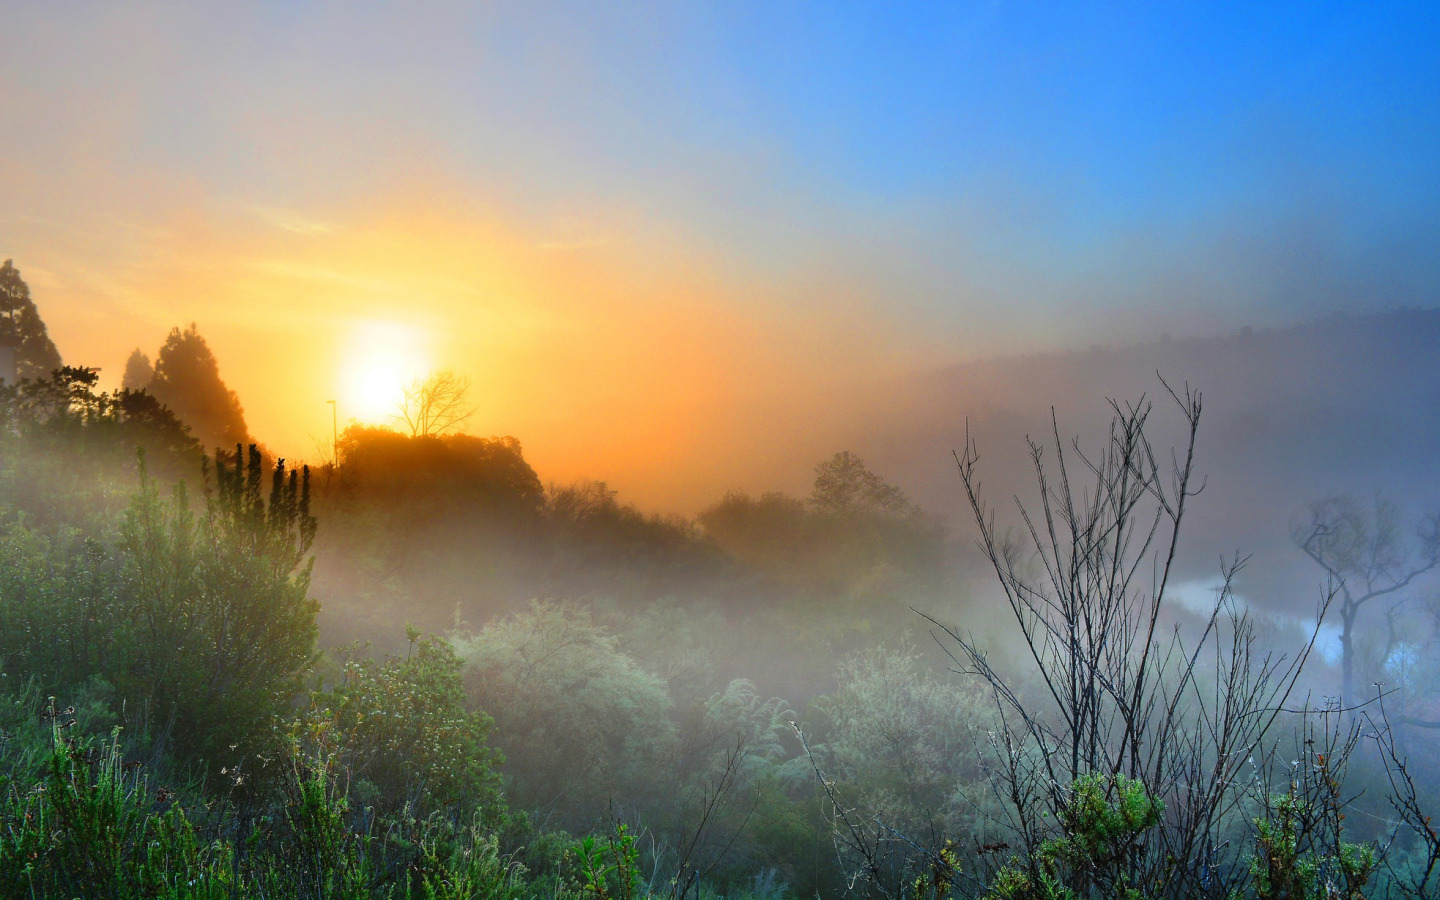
x: 610, y: 865
x: 1102, y: 826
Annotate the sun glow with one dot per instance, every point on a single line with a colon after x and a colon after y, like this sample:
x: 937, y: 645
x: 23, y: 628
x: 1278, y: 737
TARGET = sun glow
x: 380, y: 359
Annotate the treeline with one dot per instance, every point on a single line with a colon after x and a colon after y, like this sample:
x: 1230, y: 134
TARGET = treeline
x: 455, y: 530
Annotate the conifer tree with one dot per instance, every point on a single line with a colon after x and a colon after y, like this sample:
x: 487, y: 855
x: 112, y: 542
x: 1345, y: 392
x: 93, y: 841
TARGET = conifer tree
x: 22, y: 328
x: 139, y: 372
x: 187, y: 379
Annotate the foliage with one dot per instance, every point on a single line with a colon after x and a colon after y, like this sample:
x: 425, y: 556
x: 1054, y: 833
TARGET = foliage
x: 577, y: 720
x: 200, y: 624
x: 92, y: 827
x: 598, y: 546
x: 610, y: 865
x: 1284, y: 870
x: 414, y: 523
x: 139, y: 371
x: 898, y: 739
x: 65, y: 412
x: 1101, y: 824
x: 67, y: 450
x: 449, y: 473
x: 402, y: 733
x: 856, y: 535
x: 217, y: 626
x: 844, y: 485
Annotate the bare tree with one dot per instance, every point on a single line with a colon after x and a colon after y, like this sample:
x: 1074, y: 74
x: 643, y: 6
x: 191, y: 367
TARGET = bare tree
x: 435, y: 404
x: 1123, y: 697
x: 1367, y: 555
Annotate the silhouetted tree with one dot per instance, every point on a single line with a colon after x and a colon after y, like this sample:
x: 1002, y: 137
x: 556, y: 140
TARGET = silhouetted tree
x: 436, y: 404
x: 857, y: 535
x: 767, y: 532
x: 844, y: 485
x: 67, y: 449
x: 187, y: 379
x: 139, y: 371
x: 1367, y: 554
x: 22, y: 329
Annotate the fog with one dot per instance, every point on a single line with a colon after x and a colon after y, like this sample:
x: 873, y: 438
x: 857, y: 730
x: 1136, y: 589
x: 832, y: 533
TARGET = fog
x: 692, y: 451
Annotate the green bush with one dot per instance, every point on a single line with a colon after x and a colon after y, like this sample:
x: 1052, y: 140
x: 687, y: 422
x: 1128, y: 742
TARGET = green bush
x: 403, y: 734
x: 1102, y: 825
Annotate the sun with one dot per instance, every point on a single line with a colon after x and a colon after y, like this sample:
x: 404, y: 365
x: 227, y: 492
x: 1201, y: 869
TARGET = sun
x: 379, y: 360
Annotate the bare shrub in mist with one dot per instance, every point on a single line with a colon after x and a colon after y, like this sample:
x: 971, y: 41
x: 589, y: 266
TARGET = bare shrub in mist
x: 1124, y: 767
x: 1121, y: 697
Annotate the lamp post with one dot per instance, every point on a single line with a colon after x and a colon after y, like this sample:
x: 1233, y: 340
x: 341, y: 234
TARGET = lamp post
x: 334, y: 434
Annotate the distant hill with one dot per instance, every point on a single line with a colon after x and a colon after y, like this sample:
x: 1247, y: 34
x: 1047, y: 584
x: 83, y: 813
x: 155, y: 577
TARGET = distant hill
x: 1346, y: 404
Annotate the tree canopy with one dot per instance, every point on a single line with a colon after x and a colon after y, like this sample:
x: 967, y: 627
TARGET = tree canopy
x: 139, y: 371
x: 845, y: 485
x: 187, y: 379
x: 22, y: 329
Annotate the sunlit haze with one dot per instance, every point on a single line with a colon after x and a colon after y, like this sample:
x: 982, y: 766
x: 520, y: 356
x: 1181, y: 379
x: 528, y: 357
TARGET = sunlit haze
x: 970, y: 450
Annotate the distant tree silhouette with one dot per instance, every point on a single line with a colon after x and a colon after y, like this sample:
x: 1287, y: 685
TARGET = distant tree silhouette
x: 187, y: 379
x: 769, y: 532
x: 1367, y: 555
x: 845, y: 485
x: 65, y: 412
x: 456, y: 471
x: 435, y: 404
x: 67, y: 449
x: 856, y: 535
x: 139, y: 372
x: 22, y: 328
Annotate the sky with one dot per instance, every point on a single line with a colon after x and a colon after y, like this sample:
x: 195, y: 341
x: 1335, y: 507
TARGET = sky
x: 658, y: 238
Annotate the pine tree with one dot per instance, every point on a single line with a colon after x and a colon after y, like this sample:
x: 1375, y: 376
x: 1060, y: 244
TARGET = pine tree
x: 138, y: 372
x: 22, y: 329
x: 187, y: 379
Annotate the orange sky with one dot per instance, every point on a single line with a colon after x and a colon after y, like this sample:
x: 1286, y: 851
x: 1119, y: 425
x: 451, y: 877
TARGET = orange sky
x: 645, y: 365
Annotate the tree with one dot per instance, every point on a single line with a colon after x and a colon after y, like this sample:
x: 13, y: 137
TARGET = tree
x: 187, y: 379
x: 139, y: 371
x: 22, y: 329
x: 435, y: 404
x: 67, y: 450
x: 1367, y: 555
x: 845, y: 485
x: 1122, y: 705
